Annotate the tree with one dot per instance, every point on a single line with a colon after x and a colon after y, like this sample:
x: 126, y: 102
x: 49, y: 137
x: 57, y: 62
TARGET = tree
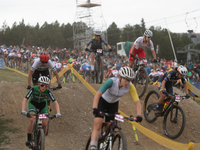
x: 113, y: 34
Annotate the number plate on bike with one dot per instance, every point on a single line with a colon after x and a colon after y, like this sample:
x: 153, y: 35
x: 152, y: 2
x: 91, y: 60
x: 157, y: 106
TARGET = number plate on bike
x: 177, y: 98
x: 144, y: 61
x: 42, y: 116
x: 119, y: 117
x: 99, y: 50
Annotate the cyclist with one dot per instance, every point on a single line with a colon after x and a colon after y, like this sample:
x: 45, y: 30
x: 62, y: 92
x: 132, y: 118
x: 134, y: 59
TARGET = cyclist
x: 107, y: 100
x: 165, y: 85
x: 139, y: 45
x: 41, y: 66
x: 96, y: 42
x: 38, y: 100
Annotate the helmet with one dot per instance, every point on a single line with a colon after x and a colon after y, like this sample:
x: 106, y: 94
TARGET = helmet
x: 127, y: 72
x: 148, y: 33
x: 97, y: 32
x: 109, y: 66
x: 152, y: 70
x: 157, y: 69
x: 114, y: 67
x: 44, y: 79
x: 182, y: 70
x: 44, y: 57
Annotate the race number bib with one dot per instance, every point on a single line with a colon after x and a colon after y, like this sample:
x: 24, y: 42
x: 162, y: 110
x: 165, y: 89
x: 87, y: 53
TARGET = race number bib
x: 99, y: 50
x: 42, y: 116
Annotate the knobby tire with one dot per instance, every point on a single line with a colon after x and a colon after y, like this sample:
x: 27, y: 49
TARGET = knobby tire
x: 119, y: 141
x: 40, y: 139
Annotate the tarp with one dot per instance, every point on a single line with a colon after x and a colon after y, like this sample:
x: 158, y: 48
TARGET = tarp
x: 2, y: 63
x: 127, y: 47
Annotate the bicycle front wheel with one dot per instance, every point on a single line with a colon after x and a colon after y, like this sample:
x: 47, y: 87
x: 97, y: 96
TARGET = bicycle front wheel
x: 174, y: 122
x: 119, y: 141
x: 40, y: 139
x: 150, y: 106
x: 141, y: 82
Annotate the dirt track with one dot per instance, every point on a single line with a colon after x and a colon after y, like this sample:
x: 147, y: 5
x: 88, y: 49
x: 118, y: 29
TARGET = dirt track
x: 70, y: 132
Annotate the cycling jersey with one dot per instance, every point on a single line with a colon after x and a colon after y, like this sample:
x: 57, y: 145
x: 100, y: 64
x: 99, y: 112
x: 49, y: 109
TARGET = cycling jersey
x: 58, y: 65
x: 37, y: 65
x: 19, y: 55
x: 112, y: 93
x: 171, y: 77
x: 96, y: 44
x: 38, y: 97
x: 140, y: 44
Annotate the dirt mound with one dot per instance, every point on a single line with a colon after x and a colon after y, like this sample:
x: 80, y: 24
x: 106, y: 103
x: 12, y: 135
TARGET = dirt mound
x: 71, y: 131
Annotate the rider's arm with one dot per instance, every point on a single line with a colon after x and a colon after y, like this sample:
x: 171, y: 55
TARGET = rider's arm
x: 106, y: 85
x: 57, y: 106
x: 51, y: 95
x: 154, y: 54
x: 57, y: 76
x: 135, y: 98
x: 132, y: 48
x: 29, y: 77
x: 24, y: 103
x: 163, y: 84
x: 184, y: 85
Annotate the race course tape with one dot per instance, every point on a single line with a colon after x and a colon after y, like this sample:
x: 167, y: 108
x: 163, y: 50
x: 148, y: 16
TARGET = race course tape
x: 17, y: 71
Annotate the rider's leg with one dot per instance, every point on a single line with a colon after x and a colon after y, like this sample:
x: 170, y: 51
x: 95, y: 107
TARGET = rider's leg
x: 45, y: 123
x: 92, y: 60
x: 96, y: 130
x: 30, y: 129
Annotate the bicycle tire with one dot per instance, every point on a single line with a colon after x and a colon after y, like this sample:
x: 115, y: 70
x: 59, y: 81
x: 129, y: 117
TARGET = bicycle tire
x: 137, y: 79
x: 40, y: 139
x: 165, y: 127
x: 151, y: 106
x: 48, y: 127
x: 119, y: 137
x: 33, y: 131
x: 100, y: 71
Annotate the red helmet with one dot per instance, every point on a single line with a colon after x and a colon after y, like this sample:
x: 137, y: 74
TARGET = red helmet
x: 44, y: 57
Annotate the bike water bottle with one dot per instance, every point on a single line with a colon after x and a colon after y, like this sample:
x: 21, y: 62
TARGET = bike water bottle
x: 166, y: 103
x: 105, y: 143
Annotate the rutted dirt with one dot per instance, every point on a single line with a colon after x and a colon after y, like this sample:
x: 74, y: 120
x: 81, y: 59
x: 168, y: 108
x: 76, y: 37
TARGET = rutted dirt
x: 71, y: 131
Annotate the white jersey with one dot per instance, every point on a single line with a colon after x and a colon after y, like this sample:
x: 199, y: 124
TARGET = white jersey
x: 139, y: 44
x: 58, y: 65
x: 113, y: 94
x: 37, y: 65
x: 153, y: 74
x: 11, y: 54
x: 160, y: 73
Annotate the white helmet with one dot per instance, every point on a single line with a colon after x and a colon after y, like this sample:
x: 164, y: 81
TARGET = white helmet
x: 44, y: 79
x: 182, y: 70
x: 97, y: 32
x: 152, y: 70
x: 148, y: 33
x: 127, y: 72
x: 157, y: 69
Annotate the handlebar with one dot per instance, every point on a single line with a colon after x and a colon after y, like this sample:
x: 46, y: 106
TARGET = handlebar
x: 92, y: 50
x: 49, y: 116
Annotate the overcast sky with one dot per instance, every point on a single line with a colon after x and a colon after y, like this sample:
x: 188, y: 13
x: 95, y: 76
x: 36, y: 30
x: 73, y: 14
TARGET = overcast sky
x: 122, y: 12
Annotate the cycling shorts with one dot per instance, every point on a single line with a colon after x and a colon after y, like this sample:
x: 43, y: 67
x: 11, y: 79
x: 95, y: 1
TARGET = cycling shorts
x: 37, y: 73
x: 140, y: 52
x: 33, y: 106
x: 58, y: 69
x: 25, y: 60
x: 168, y: 87
x: 86, y: 73
x: 110, y: 108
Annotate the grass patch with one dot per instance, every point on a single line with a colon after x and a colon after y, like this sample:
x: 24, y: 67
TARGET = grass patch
x: 4, y: 128
x: 12, y: 76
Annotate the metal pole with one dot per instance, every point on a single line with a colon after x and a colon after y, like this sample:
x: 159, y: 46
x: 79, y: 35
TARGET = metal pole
x: 171, y: 41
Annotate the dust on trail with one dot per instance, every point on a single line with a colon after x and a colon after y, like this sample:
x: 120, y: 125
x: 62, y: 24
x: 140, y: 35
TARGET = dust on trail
x: 70, y: 132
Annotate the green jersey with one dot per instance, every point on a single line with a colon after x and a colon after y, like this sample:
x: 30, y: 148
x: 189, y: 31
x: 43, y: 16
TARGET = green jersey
x: 38, y: 97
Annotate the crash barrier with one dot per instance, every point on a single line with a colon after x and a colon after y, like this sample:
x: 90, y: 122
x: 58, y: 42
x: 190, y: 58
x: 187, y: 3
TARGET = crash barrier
x: 17, y: 71
x: 194, y: 90
x: 157, y: 138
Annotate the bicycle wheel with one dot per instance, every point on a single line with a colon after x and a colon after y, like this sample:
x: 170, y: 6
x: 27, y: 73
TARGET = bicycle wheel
x: 141, y: 82
x: 119, y: 141
x: 174, y: 122
x: 150, y: 106
x: 100, y: 71
x: 48, y: 127
x: 40, y: 139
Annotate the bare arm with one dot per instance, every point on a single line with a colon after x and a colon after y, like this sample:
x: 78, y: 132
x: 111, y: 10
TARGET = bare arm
x: 138, y: 107
x: 108, y: 46
x: 57, y: 106
x: 132, y: 48
x: 29, y: 77
x: 154, y: 54
x: 24, y: 103
x: 96, y: 99
x: 163, y: 84
x: 57, y: 76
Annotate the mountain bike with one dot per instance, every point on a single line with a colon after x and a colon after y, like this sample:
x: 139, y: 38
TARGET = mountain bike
x: 97, y: 76
x: 141, y: 80
x: 174, y: 116
x: 114, y: 138
x: 38, y: 134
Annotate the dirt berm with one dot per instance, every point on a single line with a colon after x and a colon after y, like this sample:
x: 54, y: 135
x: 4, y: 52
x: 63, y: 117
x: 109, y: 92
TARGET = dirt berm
x: 71, y: 131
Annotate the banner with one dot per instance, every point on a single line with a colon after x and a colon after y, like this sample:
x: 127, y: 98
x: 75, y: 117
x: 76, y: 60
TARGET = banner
x: 2, y: 63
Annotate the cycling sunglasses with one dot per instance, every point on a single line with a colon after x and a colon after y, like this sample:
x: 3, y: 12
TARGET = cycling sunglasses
x: 149, y: 37
x: 127, y: 80
x: 42, y: 85
x: 44, y: 62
